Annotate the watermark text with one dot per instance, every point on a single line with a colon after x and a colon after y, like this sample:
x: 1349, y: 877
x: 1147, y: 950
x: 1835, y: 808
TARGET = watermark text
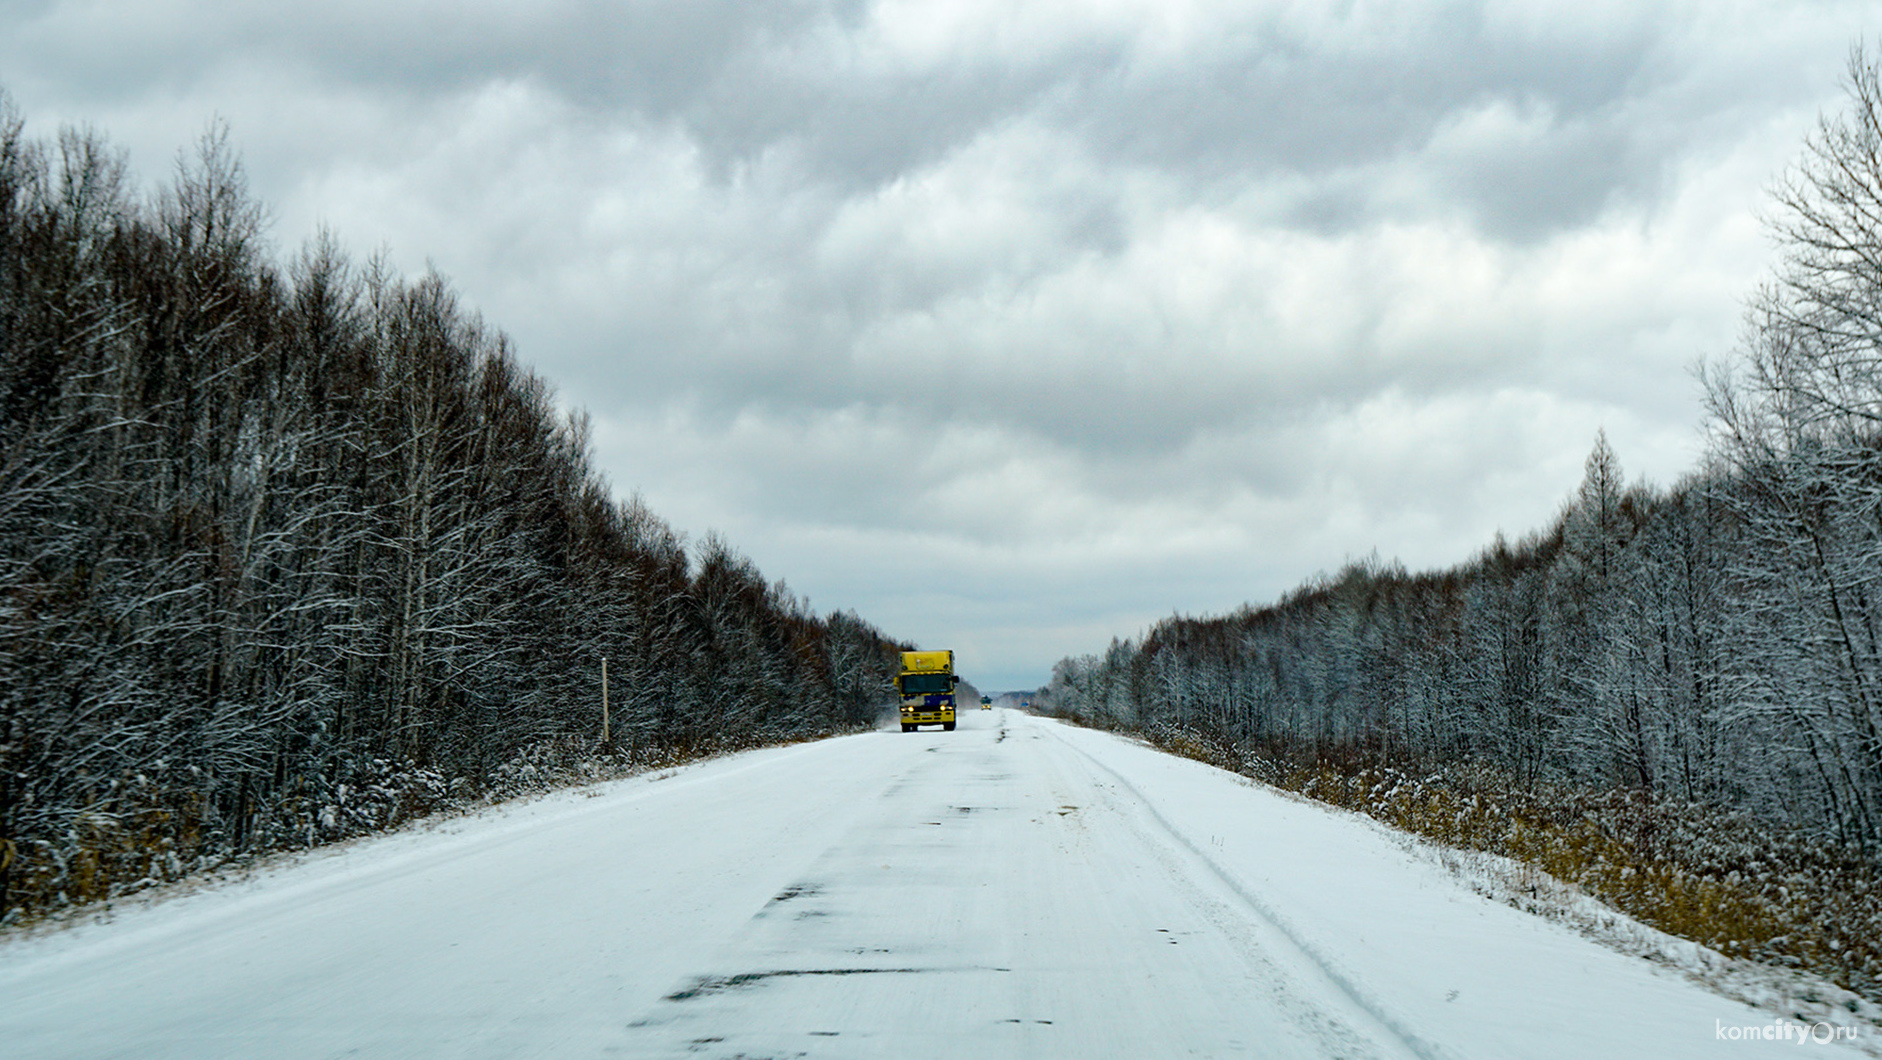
x: 1781, y: 1030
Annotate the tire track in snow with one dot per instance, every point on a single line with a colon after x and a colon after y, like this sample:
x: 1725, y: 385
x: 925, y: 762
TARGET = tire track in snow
x: 1342, y: 982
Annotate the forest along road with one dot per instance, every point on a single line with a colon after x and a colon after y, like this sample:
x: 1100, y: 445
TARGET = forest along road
x: 1016, y: 888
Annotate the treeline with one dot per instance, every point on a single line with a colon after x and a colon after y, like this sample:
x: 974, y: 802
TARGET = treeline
x: 289, y: 551
x: 1717, y: 642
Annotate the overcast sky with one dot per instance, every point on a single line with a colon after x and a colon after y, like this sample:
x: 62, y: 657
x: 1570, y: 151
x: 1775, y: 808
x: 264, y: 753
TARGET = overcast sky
x: 1015, y: 325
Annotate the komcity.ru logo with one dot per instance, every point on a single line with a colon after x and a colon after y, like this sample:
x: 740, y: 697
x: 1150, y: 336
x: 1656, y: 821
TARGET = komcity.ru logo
x: 1820, y: 1033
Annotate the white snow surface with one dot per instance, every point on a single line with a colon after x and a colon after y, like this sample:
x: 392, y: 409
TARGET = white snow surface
x: 1016, y: 888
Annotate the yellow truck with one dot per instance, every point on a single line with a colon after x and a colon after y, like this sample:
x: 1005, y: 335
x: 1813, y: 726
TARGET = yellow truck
x: 926, y: 685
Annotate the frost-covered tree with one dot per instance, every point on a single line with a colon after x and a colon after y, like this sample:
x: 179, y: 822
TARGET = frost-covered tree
x: 287, y: 552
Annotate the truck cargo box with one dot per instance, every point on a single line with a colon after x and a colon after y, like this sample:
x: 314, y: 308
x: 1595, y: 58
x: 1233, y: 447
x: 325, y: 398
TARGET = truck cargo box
x: 927, y: 661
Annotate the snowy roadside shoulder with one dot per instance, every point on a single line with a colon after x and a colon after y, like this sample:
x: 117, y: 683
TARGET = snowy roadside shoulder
x: 1783, y: 993
x: 283, y: 875
x: 1430, y: 940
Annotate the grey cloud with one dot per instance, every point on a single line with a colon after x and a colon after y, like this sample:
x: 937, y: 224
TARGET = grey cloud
x: 1318, y: 115
x: 1171, y: 321
x: 744, y: 79
x: 1265, y: 105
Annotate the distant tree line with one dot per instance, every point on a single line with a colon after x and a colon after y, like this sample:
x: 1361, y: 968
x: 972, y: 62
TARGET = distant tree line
x: 1719, y: 641
x: 285, y: 548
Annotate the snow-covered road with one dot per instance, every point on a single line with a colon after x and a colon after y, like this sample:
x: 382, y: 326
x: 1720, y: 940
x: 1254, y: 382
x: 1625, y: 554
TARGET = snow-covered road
x: 1016, y: 888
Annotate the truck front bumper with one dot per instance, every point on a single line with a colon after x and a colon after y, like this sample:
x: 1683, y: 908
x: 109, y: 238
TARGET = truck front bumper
x: 927, y: 717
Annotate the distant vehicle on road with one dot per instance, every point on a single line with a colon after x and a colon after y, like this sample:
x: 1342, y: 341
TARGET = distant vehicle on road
x: 926, y: 685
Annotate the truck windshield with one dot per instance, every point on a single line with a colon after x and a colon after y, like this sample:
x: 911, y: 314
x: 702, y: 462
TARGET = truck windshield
x: 915, y: 684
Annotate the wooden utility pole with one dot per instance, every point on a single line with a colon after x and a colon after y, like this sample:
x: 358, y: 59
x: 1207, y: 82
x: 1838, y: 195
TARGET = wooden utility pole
x: 604, y: 701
